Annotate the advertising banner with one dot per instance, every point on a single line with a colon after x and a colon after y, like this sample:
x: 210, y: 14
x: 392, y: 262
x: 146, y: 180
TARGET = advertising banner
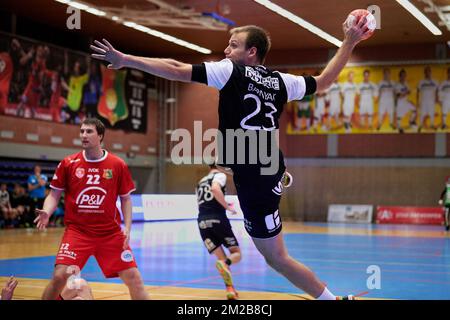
x: 410, y: 215
x: 350, y: 213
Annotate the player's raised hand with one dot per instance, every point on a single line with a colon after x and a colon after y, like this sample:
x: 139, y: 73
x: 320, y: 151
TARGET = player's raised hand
x: 8, y: 290
x: 358, y: 31
x: 105, y: 51
x: 231, y: 208
x: 42, y: 219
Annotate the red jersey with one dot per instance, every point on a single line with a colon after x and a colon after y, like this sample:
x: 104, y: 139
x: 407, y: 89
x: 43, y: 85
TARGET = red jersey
x: 6, y: 71
x: 91, y: 189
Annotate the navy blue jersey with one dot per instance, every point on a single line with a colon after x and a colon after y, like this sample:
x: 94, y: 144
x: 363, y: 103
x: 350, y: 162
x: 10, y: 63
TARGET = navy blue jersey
x: 251, y: 100
x: 207, y: 204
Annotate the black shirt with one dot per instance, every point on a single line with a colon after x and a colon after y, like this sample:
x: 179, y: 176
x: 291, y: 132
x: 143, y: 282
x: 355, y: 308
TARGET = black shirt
x: 251, y: 101
x: 207, y: 204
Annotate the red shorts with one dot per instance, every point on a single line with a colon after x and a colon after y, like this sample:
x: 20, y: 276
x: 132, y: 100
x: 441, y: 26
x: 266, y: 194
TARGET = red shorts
x: 76, y: 248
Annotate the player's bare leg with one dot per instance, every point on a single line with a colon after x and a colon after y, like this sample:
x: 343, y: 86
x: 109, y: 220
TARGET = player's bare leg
x: 235, y: 254
x: 399, y: 125
x: 277, y: 257
x: 380, y: 121
x: 57, y: 283
x: 223, y: 266
x: 132, y: 279
x: 446, y: 219
x: 443, y: 121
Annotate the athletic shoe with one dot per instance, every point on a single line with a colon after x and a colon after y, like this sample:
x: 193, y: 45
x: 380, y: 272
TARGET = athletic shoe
x: 224, y: 272
x: 349, y: 297
x: 232, y: 293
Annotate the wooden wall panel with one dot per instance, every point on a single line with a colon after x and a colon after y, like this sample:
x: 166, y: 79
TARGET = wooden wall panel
x: 314, y: 188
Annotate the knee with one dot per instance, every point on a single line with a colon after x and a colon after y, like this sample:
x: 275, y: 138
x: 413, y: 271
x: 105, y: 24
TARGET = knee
x: 132, y: 278
x: 60, y: 277
x: 276, y: 261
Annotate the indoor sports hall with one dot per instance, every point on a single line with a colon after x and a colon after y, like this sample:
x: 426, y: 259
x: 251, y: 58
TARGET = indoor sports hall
x: 364, y: 199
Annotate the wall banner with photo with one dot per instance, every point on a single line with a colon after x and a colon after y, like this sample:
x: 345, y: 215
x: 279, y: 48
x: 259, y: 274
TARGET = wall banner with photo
x: 40, y: 81
x: 376, y: 99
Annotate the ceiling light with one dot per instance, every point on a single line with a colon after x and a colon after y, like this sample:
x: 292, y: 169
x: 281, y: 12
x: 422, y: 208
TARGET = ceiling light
x: 166, y: 37
x: 301, y: 22
x: 420, y: 16
x: 136, y: 26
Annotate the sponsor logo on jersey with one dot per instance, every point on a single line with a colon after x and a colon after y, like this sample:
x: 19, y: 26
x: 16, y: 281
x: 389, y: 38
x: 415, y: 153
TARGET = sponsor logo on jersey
x: 93, y: 170
x: 79, y: 172
x: 91, y: 198
x: 268, y: 82
x: 126, y: 256
x: 73, y: 161
x: 107, y: 173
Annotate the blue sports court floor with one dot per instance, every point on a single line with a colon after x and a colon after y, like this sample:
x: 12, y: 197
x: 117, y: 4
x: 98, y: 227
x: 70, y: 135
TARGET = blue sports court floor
x: 414, y: 261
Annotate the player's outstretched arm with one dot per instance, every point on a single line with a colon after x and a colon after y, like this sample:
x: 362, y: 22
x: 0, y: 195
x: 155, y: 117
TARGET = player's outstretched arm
x: 50, y: 204
x: 165, y: 68
x: 220, y: 197
x: 353, y: 35
x: 126, y: 207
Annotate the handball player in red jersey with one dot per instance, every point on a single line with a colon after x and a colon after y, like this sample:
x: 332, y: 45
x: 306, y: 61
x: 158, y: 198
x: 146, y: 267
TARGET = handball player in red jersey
x: 91, y: 180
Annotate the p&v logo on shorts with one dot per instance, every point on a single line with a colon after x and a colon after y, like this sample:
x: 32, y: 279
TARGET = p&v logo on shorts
x: 126, y: 256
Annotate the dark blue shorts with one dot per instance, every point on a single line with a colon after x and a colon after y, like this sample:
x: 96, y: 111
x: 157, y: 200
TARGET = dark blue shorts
x: 216, y: 231
x: 259, y: 198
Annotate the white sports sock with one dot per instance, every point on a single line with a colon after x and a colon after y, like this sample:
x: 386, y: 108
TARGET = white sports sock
x: 326, y: 295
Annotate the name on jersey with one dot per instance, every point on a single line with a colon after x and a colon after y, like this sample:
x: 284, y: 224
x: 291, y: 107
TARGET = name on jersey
x: 264, y: 95
x: 268, y: 82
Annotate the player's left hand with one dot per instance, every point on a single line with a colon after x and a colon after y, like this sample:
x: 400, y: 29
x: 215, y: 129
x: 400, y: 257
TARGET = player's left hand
x: 126, y: 242
x: 42, y: 219
x: 357, y: 32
